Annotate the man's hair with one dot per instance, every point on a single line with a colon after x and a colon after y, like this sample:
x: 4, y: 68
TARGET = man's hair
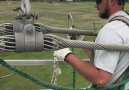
x: 121, y: 2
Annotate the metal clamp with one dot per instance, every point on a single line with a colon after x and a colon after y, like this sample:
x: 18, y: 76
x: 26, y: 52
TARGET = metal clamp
x: 27, y: 38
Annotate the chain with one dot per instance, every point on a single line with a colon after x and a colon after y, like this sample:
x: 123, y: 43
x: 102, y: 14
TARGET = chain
x: 56, y: 71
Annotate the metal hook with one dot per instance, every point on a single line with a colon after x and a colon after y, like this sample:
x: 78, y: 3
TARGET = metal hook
x: 70, y: 21
x: 25, y: 6
x: 70, y: 24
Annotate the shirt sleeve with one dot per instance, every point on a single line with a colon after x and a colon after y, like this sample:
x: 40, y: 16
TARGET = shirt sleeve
x: 107, y: 60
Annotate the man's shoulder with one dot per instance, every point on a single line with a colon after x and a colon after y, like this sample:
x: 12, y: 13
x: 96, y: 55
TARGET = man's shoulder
x: 118, y: 14
x: 118, y: 21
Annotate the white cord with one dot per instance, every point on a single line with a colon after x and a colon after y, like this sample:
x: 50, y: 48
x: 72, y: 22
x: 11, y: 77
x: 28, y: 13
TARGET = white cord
x: 56, y: 71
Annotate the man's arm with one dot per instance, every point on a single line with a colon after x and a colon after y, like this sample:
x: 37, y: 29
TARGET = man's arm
x: 89, y: 71
x: 88, y: 52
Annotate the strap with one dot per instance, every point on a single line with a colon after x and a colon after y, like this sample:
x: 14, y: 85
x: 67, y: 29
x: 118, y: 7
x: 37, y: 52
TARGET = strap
x: 122, y: 76
x: 121, y: 67
x: 121, y: 18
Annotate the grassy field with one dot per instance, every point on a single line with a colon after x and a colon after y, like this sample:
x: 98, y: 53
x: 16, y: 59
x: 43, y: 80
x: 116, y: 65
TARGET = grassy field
x: 52, y: 14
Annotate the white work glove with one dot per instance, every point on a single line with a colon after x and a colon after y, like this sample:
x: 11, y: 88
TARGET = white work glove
x: 62, y: 53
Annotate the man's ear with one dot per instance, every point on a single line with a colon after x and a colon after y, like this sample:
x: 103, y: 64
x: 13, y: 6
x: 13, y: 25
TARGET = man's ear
x: 112, y: 2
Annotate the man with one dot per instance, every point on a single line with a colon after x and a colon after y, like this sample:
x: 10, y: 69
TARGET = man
x: 104, y: 63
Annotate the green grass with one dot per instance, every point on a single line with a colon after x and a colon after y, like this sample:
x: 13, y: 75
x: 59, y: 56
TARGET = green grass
x: 52, y: 14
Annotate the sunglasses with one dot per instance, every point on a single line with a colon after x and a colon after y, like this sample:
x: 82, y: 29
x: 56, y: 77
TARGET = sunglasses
x: 98, y: 2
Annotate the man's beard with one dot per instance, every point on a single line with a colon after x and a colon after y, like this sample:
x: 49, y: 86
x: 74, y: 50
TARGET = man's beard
x: 105, y: 14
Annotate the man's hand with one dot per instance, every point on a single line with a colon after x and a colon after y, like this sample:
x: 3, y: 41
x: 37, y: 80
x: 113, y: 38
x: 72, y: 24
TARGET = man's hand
x: 62, y: 53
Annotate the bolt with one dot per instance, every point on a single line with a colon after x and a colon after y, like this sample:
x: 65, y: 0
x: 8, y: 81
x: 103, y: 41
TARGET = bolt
x: 29, y: 30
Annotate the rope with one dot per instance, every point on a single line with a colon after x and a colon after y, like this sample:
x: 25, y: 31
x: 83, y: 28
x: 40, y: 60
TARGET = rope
x: 55, y: 87
x: 90, y: 45
x: 35, y: 80
x: 8, y: 44
x: 74, y: 77
x: 56, y: 71
x: 47, y: 29
x: 7, y: 39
